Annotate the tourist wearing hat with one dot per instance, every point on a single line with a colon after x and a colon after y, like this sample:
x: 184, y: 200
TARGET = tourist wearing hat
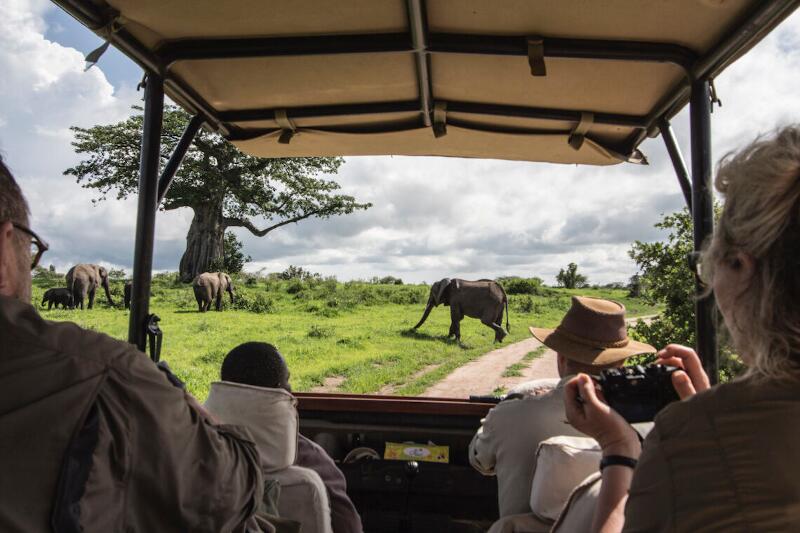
x: 591, y: 337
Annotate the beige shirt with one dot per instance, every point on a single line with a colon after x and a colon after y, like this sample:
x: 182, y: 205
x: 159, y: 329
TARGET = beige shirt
x: 725, y: 460
x: 93, y: 434
x: 506, y: 443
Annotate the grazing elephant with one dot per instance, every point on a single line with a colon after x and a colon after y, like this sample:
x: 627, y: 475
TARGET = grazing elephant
x: 126, y: 294
x: 209, y: 287
x: 58, y: 297
x: 483, y: 299
x: 84, y: 279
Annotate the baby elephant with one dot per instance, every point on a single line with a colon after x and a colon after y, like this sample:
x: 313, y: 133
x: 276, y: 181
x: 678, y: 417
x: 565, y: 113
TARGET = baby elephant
x: 58, y: 297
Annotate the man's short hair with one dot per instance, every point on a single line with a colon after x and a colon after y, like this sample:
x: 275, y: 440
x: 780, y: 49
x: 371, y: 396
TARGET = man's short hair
x: 256, y: 363
x: 13, y: 206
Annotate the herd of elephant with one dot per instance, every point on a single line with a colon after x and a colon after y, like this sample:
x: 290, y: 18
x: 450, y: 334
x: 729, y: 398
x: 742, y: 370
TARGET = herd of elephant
x: 483, y: 299
x: 83, y: 280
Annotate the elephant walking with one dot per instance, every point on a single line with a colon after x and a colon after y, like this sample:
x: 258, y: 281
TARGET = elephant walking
x: 209, y: 287
x: 483, y: 299
x: 58, y: 297
x: 83, y: 280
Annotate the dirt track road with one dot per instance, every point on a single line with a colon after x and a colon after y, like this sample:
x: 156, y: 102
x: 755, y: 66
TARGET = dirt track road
x: 485, y: 374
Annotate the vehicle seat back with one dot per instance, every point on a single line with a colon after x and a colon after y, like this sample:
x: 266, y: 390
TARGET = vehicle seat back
x: 271, y: 417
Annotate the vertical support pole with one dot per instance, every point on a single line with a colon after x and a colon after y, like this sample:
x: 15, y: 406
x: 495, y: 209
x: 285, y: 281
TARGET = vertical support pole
x: 676, y: 157
x: 703, y: 219
x: 146, y: 213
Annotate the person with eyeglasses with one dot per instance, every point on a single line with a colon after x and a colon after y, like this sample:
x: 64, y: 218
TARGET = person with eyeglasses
x: 93, y: 436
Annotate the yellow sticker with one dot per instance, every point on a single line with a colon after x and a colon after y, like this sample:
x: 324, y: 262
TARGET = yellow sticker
x: 411, y: 451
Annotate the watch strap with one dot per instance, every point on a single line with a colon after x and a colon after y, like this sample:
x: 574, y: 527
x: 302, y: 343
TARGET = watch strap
x: 621, y: 460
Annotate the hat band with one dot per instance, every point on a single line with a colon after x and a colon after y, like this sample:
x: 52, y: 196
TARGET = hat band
x: 591, y: 342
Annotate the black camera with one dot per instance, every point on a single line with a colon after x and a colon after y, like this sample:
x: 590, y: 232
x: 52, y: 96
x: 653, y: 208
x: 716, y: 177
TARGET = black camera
x: 638, y: 392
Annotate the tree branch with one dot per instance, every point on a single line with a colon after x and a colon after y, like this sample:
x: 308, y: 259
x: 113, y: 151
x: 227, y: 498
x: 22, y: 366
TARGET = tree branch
x: 244, y: 223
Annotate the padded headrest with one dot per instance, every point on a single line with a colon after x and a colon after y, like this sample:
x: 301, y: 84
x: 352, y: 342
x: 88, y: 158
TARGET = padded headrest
x: 561, y: 464
x: 269, y: 414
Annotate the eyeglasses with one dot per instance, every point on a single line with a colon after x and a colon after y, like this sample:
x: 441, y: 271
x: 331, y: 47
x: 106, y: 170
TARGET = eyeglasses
x: 38, y: 246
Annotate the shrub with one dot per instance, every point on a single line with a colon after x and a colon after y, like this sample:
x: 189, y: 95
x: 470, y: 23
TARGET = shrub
x: 295, y: 286
x: 255, y: 302
x: 298, y: 273
x: 522, y: 285
x: 524, y: 304
x: 319, y: 332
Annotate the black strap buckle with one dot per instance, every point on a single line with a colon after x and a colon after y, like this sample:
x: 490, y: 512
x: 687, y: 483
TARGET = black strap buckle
x: 154, y: 337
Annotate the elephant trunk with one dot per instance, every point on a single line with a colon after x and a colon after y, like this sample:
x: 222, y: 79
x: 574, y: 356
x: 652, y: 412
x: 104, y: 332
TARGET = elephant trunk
x: 428, y: 309
x: 108, y: 293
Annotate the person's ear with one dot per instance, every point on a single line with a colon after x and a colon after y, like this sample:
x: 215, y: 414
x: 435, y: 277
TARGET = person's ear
x: 8, y: 259
x: 744, y: 267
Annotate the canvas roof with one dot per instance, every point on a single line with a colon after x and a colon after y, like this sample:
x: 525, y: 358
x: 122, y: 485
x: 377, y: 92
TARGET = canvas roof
x: 568, y: 81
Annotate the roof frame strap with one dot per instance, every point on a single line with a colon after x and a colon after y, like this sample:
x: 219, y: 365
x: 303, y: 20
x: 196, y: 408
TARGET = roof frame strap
x: 288, y: 129
x: 107, y: 33
x: 536, y: 56
x: 439, y: 119
x: 578, y: 134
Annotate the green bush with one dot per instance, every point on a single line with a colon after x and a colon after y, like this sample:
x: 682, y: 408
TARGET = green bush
x: 319, y: 332
x: 295, y: 286
x: 524, y: 304
x: 523, y: 286
x: 253, y: 301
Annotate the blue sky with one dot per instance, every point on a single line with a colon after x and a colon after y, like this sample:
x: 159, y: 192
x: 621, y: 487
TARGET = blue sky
x: 433, y: 217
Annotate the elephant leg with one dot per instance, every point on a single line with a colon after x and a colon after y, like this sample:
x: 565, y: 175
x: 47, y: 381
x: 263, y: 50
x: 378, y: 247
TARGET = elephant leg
x: 455, y: 322
x: 91, y: 298
x: 491, y: 320
x: 50, y: 305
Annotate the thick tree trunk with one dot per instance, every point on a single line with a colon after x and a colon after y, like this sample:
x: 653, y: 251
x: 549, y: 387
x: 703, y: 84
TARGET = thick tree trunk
x: 203, y: 242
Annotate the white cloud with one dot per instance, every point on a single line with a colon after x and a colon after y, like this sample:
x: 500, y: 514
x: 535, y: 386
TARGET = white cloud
x: 433, y: 217
x: 45, y: 91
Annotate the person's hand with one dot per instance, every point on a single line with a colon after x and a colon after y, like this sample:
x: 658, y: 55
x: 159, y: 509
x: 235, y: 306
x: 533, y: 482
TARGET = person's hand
x: 692, y: 379
x: 588, y: 413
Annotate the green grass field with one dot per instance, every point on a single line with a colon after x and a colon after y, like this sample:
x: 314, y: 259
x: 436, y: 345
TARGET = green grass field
x: 358, y: 332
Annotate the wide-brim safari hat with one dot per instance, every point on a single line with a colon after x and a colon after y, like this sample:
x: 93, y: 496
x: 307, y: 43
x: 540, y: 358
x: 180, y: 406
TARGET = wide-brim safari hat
x: 593, y: 332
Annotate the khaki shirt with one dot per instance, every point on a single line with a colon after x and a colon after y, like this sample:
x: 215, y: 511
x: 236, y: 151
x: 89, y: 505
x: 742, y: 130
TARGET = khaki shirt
x: 506, y: 444
x: 141, y: 458
x: 725, y: 460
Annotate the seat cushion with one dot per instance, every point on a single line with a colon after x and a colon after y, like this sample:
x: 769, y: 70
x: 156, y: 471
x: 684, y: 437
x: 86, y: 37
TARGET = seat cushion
x: 578, y: 514
x: 561, y: 464
x: 304, y: 499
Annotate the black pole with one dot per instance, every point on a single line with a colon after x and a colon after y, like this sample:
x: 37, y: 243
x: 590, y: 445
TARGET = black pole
x: 677, y: 160
x: 146, y: 213
x: 177, y: 156
x: 703, y: 219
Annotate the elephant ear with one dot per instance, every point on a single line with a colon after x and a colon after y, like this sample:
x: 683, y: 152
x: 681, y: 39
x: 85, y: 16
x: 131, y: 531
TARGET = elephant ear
x: 443, y: 284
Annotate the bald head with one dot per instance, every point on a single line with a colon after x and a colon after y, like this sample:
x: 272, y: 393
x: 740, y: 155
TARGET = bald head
x: 13, y: 206
x: 15, y: 257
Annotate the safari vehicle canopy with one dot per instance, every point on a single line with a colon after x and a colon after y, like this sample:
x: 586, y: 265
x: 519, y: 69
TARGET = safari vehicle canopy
x: 563, y: 82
